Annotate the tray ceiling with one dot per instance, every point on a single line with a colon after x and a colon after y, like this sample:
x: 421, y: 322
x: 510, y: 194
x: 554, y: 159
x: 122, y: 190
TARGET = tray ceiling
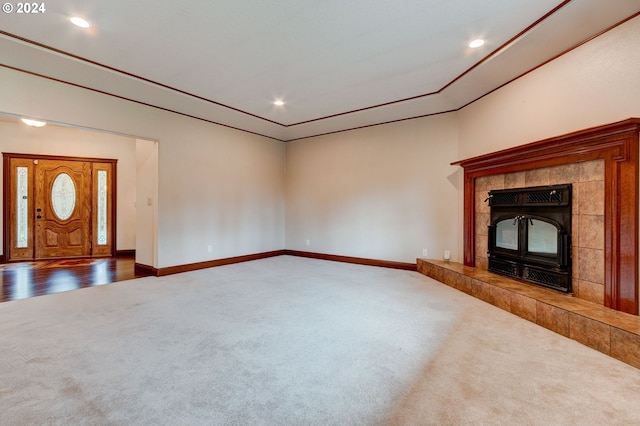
x: 336, y: 64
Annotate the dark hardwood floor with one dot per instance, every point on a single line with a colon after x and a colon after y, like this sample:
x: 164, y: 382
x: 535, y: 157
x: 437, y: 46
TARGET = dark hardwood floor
x: 29, y: 279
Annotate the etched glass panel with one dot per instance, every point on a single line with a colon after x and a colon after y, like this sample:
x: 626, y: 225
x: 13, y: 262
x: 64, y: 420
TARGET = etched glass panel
x: 507, y: 234
x: 22, y: 207
x: 63, y: 196
x: 543, y: 237
x: 102, y: 207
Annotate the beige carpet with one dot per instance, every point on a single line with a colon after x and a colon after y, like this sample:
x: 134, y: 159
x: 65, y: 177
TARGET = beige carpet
x: 293, y: 341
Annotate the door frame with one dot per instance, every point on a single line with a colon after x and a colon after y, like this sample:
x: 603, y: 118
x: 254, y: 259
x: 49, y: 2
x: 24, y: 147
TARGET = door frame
x: 6, y: 194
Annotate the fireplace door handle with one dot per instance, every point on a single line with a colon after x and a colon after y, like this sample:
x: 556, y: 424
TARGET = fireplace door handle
x: 517, y: 219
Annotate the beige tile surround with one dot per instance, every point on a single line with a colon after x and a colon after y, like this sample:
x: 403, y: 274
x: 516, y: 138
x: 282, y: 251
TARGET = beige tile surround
x: 587, y: 237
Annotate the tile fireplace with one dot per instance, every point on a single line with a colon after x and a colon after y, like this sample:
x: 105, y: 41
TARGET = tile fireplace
x: 602, y: 164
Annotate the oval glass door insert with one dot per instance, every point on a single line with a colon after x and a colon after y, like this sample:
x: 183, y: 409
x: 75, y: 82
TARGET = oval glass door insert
x: 63, y: 196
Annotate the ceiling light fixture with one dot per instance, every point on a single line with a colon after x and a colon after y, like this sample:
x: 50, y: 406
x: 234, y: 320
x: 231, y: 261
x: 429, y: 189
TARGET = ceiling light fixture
x: 278, y: 102
x: 476, y: 43
x: 79, y: 22
x: 33, y: 123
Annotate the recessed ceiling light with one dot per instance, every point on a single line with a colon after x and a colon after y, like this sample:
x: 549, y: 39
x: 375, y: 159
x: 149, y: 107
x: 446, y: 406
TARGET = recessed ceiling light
x: 79, y: 22
x: 476, y: 43
x: 33, y: 123
x: 278, y: 102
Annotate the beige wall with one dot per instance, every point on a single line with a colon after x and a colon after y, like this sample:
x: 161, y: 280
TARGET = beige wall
x: 216, y: 186
x: 383, y: 192
x: 219, y: 187
x: 146, y: 200
x: 16, y: 137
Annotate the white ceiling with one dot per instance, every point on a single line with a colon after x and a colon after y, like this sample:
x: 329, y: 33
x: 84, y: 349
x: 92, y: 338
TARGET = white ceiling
x: 337, y: 64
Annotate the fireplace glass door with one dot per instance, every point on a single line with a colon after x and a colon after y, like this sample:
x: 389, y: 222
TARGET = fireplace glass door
x: 542, y: 238
x: 507, y: 232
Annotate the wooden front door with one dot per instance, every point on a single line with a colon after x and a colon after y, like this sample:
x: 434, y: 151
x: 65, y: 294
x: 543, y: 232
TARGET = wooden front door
x: 58, y: 207
x: 63, y: 209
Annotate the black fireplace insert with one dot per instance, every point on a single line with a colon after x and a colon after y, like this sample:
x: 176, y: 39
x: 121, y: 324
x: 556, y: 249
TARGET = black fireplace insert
x: 530, y: 235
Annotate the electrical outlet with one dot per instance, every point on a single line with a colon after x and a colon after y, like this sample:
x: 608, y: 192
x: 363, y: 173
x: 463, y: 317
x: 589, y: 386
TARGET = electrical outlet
x: 308, y: 242
x: 425, y: 252
x: 209, y: 248
x: 447, y: 255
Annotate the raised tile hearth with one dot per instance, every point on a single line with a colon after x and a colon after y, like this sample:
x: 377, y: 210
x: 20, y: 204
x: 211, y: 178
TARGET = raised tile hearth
x: 611, y: 332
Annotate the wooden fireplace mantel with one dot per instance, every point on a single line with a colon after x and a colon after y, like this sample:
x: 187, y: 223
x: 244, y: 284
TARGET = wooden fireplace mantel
x: 617, y: 145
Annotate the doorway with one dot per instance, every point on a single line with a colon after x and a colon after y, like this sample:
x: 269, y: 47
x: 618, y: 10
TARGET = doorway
x: 58, y: 207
